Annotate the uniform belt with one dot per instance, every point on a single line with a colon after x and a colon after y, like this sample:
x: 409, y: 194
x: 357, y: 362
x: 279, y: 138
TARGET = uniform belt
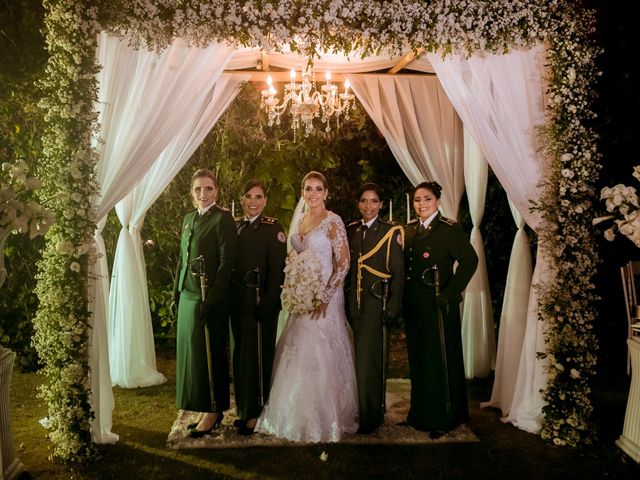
x: 361, y: 265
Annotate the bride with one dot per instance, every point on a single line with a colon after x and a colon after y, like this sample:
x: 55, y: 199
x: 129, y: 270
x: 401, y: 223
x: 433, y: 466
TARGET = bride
x: 313, y: 390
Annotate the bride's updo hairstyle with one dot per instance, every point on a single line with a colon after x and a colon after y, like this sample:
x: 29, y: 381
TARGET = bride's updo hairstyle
x: 317, y: 176
x: 433, y: 187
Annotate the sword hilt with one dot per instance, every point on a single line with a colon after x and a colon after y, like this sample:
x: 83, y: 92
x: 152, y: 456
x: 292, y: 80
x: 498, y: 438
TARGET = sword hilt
x: 197, y: 269
x: 256, y: 285
x: 435, y: 276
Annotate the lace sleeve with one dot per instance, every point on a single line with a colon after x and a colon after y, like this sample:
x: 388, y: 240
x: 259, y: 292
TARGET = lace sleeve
x: 340, y: 249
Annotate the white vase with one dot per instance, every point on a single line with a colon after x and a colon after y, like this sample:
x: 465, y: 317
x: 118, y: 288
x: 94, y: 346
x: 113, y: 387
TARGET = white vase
x: 10, y: 466
x: 629, y: 441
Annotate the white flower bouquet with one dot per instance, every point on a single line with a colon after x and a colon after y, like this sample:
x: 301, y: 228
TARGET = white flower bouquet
x: 622, y: 204
x: 303, y: 285
x: 18, y: 212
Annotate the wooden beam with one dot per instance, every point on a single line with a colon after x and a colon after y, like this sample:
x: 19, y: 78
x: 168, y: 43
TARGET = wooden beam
x: 283, y: 76
x: 336, y: 78
x: 405, y: 60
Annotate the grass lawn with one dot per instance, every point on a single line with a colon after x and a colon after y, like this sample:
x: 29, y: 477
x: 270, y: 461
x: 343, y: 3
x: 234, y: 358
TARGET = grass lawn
x: 143, y: 418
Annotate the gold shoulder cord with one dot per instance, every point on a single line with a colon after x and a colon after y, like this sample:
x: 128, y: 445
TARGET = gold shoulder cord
x: 386, y: 239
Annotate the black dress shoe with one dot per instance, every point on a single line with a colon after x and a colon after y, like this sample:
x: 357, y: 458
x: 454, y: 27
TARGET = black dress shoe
x: 218, y: 421
x: 436, y: 434
x: 238, y: 422
x: 191, y: 426
x: 246, y: 431
x: 195, y: 433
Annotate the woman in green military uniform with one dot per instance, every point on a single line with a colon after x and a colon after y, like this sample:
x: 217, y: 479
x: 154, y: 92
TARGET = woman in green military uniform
x: 435, y: 243
x: 262, y: 249
x: 376, y: 258
x: 208, y: 246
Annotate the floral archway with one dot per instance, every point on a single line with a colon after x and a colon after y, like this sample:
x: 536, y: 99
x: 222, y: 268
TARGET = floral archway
x: 472, y: 27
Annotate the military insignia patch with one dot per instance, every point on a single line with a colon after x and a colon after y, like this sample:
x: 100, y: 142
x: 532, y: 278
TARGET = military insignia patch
x: 282, y: 237
x: 399, y: 239
x: 425, y: 255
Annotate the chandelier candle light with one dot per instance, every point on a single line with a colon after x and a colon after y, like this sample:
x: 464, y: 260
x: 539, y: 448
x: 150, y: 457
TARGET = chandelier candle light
x: 305, y: 102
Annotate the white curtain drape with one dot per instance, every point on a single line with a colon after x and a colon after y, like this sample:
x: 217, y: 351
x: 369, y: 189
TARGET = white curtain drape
x: 143, y: 102
x: 500, y: 99
x: 513, y: 318
x: 131, y: 346
x: 478, y: 333
x: 421, y: 127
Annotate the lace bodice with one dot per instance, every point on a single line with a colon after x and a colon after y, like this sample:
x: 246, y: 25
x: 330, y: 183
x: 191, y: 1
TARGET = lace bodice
x: 329, y: 241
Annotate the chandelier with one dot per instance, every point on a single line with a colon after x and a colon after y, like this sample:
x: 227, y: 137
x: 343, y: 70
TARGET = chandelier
x: 304, y: 103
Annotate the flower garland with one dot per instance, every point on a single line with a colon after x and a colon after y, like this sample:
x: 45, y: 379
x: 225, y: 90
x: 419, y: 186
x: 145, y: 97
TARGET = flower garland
x: 567, y: 302
x: 312, y: 26
x: 62, y: 321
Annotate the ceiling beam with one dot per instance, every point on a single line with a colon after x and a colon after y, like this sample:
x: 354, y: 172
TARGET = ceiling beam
x: 405, y: 60
x: 284, y: 75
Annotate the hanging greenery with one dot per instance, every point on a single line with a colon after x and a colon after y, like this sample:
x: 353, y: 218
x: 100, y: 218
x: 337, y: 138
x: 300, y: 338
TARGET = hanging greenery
x: 310, y: 26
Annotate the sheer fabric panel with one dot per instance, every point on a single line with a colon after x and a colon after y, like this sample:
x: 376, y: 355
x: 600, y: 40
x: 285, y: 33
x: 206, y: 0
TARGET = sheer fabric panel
x: 478, y: 333
x: 143, y: 101
x: 500, y: 99
x: 421, y: 127
x: 131, y: 345
x: 513, y: 318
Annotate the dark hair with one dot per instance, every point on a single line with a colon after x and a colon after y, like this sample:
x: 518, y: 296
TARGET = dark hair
x: 370, y: 187
x: 433, y: 187
x: 317, y: 176
x: 204, y: 172
x: 254, y: 182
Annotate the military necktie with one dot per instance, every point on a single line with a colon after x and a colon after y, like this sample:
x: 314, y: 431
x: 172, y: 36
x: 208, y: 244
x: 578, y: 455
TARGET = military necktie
x: 363, y: 231
x: 243, y: 225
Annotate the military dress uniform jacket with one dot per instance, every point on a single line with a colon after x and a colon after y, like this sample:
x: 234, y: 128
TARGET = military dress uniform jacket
x: 212, y: 235
x: 388, y: 259
x: 442, y: 243
x: 261, y: 244
x: 372, y: 257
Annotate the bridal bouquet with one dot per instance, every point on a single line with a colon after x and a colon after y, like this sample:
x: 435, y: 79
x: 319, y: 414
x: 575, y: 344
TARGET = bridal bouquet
x: 622, y: 204
x: 303, y: 284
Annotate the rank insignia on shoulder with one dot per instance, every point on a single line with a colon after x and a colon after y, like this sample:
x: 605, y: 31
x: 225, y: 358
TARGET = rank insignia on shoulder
x: 282, y: 238
x: 386, y: 222
x: 221, y: 208
x: 354, y: 223
x: 448, y: 221
x: 268, y: 220
x: 413, y: 222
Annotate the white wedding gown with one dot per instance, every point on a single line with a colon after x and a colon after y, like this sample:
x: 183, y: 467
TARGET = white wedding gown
x: 313, y: 391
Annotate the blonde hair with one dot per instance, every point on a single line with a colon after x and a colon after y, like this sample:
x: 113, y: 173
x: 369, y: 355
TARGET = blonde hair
x: 317, y: 176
